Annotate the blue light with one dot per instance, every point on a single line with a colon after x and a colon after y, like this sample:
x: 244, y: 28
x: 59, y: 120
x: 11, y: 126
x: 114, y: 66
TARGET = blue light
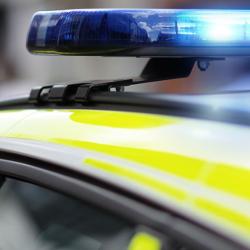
x: 143, y: 32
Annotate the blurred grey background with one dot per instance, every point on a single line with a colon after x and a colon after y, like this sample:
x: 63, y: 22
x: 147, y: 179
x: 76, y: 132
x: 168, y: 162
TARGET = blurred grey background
x: 19, y: 70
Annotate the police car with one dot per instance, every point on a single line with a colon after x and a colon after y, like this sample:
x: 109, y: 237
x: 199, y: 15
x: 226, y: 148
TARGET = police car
x: 91, y: 166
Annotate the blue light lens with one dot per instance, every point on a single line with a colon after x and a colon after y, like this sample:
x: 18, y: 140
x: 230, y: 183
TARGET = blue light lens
x: 141, y: 32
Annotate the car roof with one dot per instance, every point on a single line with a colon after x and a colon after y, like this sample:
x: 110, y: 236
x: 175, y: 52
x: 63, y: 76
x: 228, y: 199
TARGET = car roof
x: 175, y: 161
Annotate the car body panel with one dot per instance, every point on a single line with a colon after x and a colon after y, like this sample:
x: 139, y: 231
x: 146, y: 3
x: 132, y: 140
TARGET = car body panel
x: 175, y: 160
x: 10, y: 118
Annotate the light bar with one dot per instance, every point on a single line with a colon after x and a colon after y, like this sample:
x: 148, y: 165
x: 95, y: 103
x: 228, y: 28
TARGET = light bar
x: 141, y: 32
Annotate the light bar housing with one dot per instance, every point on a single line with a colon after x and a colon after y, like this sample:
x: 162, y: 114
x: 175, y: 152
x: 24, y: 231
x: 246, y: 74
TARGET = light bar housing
x: 141, y: 33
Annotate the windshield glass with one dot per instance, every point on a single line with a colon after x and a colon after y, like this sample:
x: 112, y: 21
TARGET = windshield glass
x: 37, y: 218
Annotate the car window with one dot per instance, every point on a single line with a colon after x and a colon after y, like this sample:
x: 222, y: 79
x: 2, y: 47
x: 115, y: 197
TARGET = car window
x: 36, y: 218
x: 32, y: 217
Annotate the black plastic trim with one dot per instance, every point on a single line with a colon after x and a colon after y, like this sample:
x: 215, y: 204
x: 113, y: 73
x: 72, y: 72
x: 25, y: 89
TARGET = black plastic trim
x: 156, y: 69
x: 190, y: 106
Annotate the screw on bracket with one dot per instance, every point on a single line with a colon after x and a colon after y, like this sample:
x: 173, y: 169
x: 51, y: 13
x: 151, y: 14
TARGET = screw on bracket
x: 203, y: 65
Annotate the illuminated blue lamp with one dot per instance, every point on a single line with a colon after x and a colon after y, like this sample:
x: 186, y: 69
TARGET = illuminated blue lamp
x: 141, y: 32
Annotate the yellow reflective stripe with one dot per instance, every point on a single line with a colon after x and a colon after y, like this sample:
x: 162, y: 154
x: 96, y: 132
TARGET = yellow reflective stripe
x: 178, y: 165
x: 235, y: 179
x: 121, y: 120
x: 142, y: 179
x: 145, y: 241
x: 231, y: 179
x: 225, y: 216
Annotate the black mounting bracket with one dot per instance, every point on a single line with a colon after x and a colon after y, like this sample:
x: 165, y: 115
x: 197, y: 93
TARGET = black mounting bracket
x: 157, y: 69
